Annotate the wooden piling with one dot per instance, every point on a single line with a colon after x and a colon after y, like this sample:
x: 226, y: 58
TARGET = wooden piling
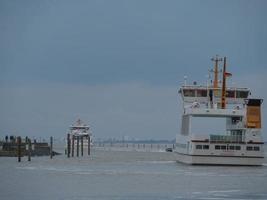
x: 77, y: 144
x: 72, y: 146
x: 51, y: 147
x: 81, y: 145
x: 29, y: 149
x: 68, y: 145
x: 19, y: 149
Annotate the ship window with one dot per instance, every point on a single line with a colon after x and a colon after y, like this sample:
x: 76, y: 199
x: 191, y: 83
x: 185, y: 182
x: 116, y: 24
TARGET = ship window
x: 230, y: 93
x: 223, y: 147
x: 206, y: 146
x: 201, y: 93
x: 241, y: 94
x: 232, y: 147
x: 189, y: 93
x: 235, y: 120
x: 217, y: 147
x: 249, y: 148
x: 256, y: 148
x: 237, y: 148
x: 198, y: 146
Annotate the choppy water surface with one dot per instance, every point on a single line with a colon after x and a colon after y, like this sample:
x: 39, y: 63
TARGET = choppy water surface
x: 121, y: 175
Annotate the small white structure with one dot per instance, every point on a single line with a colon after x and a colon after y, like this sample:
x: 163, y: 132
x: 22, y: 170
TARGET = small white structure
x: 80, y: 130
x: 240, y: 143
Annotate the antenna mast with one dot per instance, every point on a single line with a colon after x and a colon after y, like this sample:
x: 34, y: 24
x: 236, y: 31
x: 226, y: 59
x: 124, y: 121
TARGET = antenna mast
x: 223, y: 100
x: 216, y: 61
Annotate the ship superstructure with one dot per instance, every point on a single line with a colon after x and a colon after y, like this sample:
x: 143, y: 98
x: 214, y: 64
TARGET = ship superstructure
x: 239, y: 143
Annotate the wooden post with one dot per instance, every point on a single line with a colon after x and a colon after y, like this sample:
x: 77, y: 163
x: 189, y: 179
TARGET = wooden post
x: 89, y: 145
x: 77, y: 143
x: 51, y: 147
x: 19, y: 149
x: 72, y: 146
x: 29, y: 149
x: 68, y: 145
x: 82, y: 145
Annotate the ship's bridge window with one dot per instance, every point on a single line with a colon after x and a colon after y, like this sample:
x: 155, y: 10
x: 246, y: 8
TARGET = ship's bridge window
x: 241, y: 94
x: 230, y: 93
x: 201, y: 93
x: 198, y: 146
x: 189, y: 93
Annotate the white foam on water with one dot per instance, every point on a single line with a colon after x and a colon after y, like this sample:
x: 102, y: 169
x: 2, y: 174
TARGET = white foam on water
x: 212, y: 198
x: 223, y: 191
x: 27, y: 168
x: 197, y: 192
x: 157, y: 162
x: 188, y: 173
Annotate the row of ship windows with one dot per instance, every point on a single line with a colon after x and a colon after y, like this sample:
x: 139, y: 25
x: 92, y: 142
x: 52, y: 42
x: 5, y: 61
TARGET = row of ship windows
x: 203, y: 93
x: 224, y: 147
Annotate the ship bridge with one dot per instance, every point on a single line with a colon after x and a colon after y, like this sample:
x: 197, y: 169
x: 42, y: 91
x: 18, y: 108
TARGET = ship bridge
x: 203, y: 94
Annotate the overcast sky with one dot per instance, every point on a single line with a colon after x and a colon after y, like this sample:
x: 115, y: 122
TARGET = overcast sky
x: 118, y: 64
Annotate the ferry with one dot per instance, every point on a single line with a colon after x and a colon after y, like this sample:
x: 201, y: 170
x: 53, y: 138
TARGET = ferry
x: 240, y: 141
x: 79, y: 131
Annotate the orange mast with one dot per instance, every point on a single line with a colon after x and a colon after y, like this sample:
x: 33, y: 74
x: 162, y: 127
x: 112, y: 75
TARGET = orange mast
x: 225, y: 75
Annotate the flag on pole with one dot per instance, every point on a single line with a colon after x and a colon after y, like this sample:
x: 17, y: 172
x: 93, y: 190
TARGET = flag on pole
x: 227, y: 74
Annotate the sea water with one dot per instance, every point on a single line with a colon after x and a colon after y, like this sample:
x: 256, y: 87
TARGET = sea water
x: 121, y: 174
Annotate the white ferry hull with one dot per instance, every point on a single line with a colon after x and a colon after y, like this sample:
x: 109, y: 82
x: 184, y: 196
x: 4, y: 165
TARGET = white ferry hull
x: 219, y: 160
